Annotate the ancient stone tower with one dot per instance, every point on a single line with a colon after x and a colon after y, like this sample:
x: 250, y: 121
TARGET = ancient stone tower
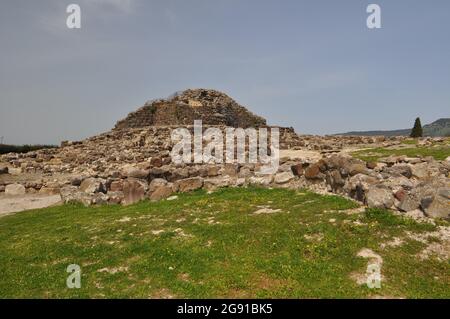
x: 210, y: 106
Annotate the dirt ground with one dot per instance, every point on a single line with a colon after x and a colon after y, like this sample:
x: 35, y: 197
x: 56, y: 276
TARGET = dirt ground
x: 14, y: 204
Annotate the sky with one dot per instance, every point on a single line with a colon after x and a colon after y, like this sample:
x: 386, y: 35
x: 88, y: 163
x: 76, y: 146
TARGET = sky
x: 313, y: 65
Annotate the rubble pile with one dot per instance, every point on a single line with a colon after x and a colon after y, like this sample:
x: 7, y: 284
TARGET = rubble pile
x: 133, y: 162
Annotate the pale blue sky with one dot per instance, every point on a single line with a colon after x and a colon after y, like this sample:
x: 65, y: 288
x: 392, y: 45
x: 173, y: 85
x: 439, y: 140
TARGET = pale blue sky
x: 312, y: 65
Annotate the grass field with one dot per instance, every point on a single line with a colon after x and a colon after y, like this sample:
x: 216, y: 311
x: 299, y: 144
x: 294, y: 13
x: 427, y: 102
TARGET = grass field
x: 439, y: 152
x: 234, y: 243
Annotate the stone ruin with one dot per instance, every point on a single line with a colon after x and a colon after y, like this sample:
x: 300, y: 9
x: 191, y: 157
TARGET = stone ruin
x: 210, y: 106
x: 132, y: 162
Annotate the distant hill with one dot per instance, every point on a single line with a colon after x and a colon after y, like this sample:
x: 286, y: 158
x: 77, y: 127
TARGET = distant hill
x: 440, y: 127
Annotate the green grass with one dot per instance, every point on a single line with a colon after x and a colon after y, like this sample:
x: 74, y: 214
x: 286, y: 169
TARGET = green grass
x: 410, y: 142
x: 213, y: 245
x: 374, y: 154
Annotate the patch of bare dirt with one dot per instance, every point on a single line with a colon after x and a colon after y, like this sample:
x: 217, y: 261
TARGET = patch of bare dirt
x: 15, y: 204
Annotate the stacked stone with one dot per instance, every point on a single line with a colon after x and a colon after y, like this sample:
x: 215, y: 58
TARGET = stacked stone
x: 210, y: 106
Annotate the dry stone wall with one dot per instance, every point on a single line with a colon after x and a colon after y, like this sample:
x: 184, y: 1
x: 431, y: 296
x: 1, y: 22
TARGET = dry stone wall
x: 210, y: 106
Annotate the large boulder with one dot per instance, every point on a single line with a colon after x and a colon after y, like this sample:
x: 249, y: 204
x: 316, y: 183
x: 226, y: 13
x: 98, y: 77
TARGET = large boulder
x: 220, y: 181
x: 438, y: 205
x: 93, y: 185
x: 398, y: 170
x: 297, y: 169
x: 378, y: 197
x: 156, y: 183
x: 15, y: 189
x: 189, y: 184
x: 408, y: 203
x: 263, y: 180
x: 397, y: 183
x: 116, y: 186
x: 134, y: 172
x: 72, y: 194
x: 427, y: 170
x: 313, y: 172
x: 134, y: 190
x: 284, y: 177
x: 334, y: 179
x: 356, y: 186
x: 357, y: 168
x: 161, y: 192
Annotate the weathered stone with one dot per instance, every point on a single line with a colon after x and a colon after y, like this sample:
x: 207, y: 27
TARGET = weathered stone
x: 156, y: 162
x: 213, y: 171
x: 218, y: 182
x: 189, y: 184
x: 297, y: 169
x: 398, y: 181
x: 400, y: 194
x: 115, y: 197
x: 334, y: 179
x: 175, y: 175
x: 72, y: 194
x: 76, y: 180
x: 15, y: 189
x: 156, y: 183
x: 92, y: 185
x: 161, y: 192
x: 371, y: 165
x: 261, y: 180
x: 230, y: 170
x: 3, y: 169
x: 116, y: 186
x: 133, y: 190
x: 283, y: 177
x: 397, y: 170
x: 357, y: 168
x: 439, y: 206
x: 408, y: 203
x: 313, y: 172
x: 378, y: 197
x: 428, y: 170
x: 134, y: 172
x: 49, y: 190
x: 362, y: 180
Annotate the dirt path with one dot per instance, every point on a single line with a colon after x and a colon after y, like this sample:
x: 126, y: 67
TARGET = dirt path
x: 14, y: 204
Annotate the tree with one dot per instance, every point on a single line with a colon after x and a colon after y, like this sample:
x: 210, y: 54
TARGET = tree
x: 417, y: 129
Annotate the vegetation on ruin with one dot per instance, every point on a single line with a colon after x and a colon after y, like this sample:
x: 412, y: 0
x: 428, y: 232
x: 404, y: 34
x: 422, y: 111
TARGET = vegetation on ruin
x: 233, y: 243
